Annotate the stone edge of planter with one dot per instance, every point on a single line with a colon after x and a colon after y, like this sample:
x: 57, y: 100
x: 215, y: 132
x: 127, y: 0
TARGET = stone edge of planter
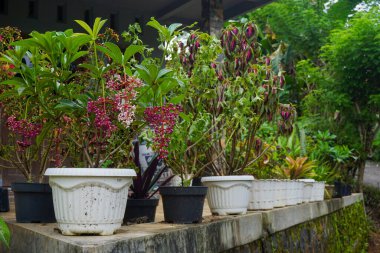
x: 221, y: 234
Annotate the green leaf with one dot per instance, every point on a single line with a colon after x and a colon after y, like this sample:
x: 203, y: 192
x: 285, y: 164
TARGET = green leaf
x: 20, y: 89
x: 5, y: 234
x: 44, y: 132
x: 177, y: 99
x: 90, y: 67
x: 163, y: 72
x: 78, y: 55
x: 185, y: 117
x: 162, y: 30
x: 173, y: 27
x: 67, y: 105
x: 85, y: 26
x: 116, y: 52
x: 168, y: 85
x: 131, y: 51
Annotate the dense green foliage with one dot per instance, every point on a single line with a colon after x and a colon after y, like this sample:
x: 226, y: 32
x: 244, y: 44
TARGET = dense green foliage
x: 372, y: 203
x: 332, y: 63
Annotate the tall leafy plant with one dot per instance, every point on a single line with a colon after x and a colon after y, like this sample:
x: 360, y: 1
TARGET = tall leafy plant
x: 231, y: 90
x: 32, y: 94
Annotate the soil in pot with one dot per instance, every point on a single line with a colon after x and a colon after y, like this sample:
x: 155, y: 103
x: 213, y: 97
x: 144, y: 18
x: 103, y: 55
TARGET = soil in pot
x: 183, y: 204
x: 140, y: 211
x: 4, y: 200
x: 33, y: 203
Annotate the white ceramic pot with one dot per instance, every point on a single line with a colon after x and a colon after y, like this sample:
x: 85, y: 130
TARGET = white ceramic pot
x: 280, y: 195
x: 89, y: 200
x: 307, y: 189
x: 320, y: 191
x: 300, y: 191
x: 228, y: 194
x: 262, y: 195
x: 292, y: 193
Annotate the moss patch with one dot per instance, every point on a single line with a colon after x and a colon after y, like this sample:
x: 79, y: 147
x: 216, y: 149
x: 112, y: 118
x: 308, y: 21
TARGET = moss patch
x: 346, y: 230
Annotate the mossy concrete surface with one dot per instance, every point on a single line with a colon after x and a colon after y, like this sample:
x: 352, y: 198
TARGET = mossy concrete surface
x: 249, y: 233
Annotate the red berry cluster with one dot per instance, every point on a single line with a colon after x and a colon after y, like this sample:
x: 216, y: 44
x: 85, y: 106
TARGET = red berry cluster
x: 162, y: 119
x: 26, y: 130
x: 105, y: 111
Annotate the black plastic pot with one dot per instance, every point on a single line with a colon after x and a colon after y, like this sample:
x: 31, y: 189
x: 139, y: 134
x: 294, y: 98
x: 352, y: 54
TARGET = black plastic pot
x: 196, y: 181
x: 342, y: 189
x: 4, y: 200
x: 183, y: 204
x: 140, y: 210
x: 33, y: 203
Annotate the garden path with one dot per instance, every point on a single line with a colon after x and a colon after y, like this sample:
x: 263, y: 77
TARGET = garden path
x: 372, y: 174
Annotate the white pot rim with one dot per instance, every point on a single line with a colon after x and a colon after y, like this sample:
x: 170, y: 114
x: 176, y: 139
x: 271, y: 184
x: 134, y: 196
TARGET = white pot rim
x: 227, y: 178
x: 307, y: 180
x: 94, y: 172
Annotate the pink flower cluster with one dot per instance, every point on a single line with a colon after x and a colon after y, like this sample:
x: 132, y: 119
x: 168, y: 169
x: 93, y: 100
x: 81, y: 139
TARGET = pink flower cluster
x: 125, y: 96
x: 162, y: 119
x: 27, y: 130
x: 103, y: 109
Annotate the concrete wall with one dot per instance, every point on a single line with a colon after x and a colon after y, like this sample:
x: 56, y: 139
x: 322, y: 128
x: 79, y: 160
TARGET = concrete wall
x: 333, y: 225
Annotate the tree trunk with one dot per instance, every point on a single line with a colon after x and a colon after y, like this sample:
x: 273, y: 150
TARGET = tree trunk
x: 361, y: 174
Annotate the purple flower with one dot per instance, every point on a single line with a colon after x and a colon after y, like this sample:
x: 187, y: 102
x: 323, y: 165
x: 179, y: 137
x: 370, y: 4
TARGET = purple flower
x: 248, y: 56
x: 250, y: 32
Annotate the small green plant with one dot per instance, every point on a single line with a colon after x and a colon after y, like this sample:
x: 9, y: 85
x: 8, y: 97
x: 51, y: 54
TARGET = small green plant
x: 296, y: 168
x: 5, y: 234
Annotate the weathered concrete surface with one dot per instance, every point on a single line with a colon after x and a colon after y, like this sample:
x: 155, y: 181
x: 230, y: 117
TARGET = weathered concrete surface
x: 283, y: 218
x: 215, y: 234
x: 372, y: 173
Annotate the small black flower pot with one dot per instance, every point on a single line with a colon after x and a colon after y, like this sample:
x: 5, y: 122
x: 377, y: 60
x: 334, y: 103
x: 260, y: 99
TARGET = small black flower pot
x: 183, y: 204
x: 196, y: 181
x: 342, y: 189
x: 140, y: 210
x: 33, y: 203
x: 4, y: 200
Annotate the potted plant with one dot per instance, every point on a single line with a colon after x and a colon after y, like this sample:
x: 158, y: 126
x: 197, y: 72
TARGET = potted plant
x: 30, y: 135
x: 101, y: 122
x: 298, y: 169
x: 86, y: 111
x: 231, y: 95
x: 141, y: 205
x: 181, y: 204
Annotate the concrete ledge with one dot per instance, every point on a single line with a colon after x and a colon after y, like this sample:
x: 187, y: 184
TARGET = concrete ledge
x: 283, y: 218
x: 215, y: 234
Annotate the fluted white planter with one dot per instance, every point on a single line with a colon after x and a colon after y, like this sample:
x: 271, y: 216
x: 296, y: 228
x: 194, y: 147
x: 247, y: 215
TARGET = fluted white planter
x: 228, y: 194
x: 300, y: 191
x: 291, y: 192
x: 319, y: 191
x: 89, y: 200
x: 262, y: 195
x: 307, y: 189
x: 280, y: 193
